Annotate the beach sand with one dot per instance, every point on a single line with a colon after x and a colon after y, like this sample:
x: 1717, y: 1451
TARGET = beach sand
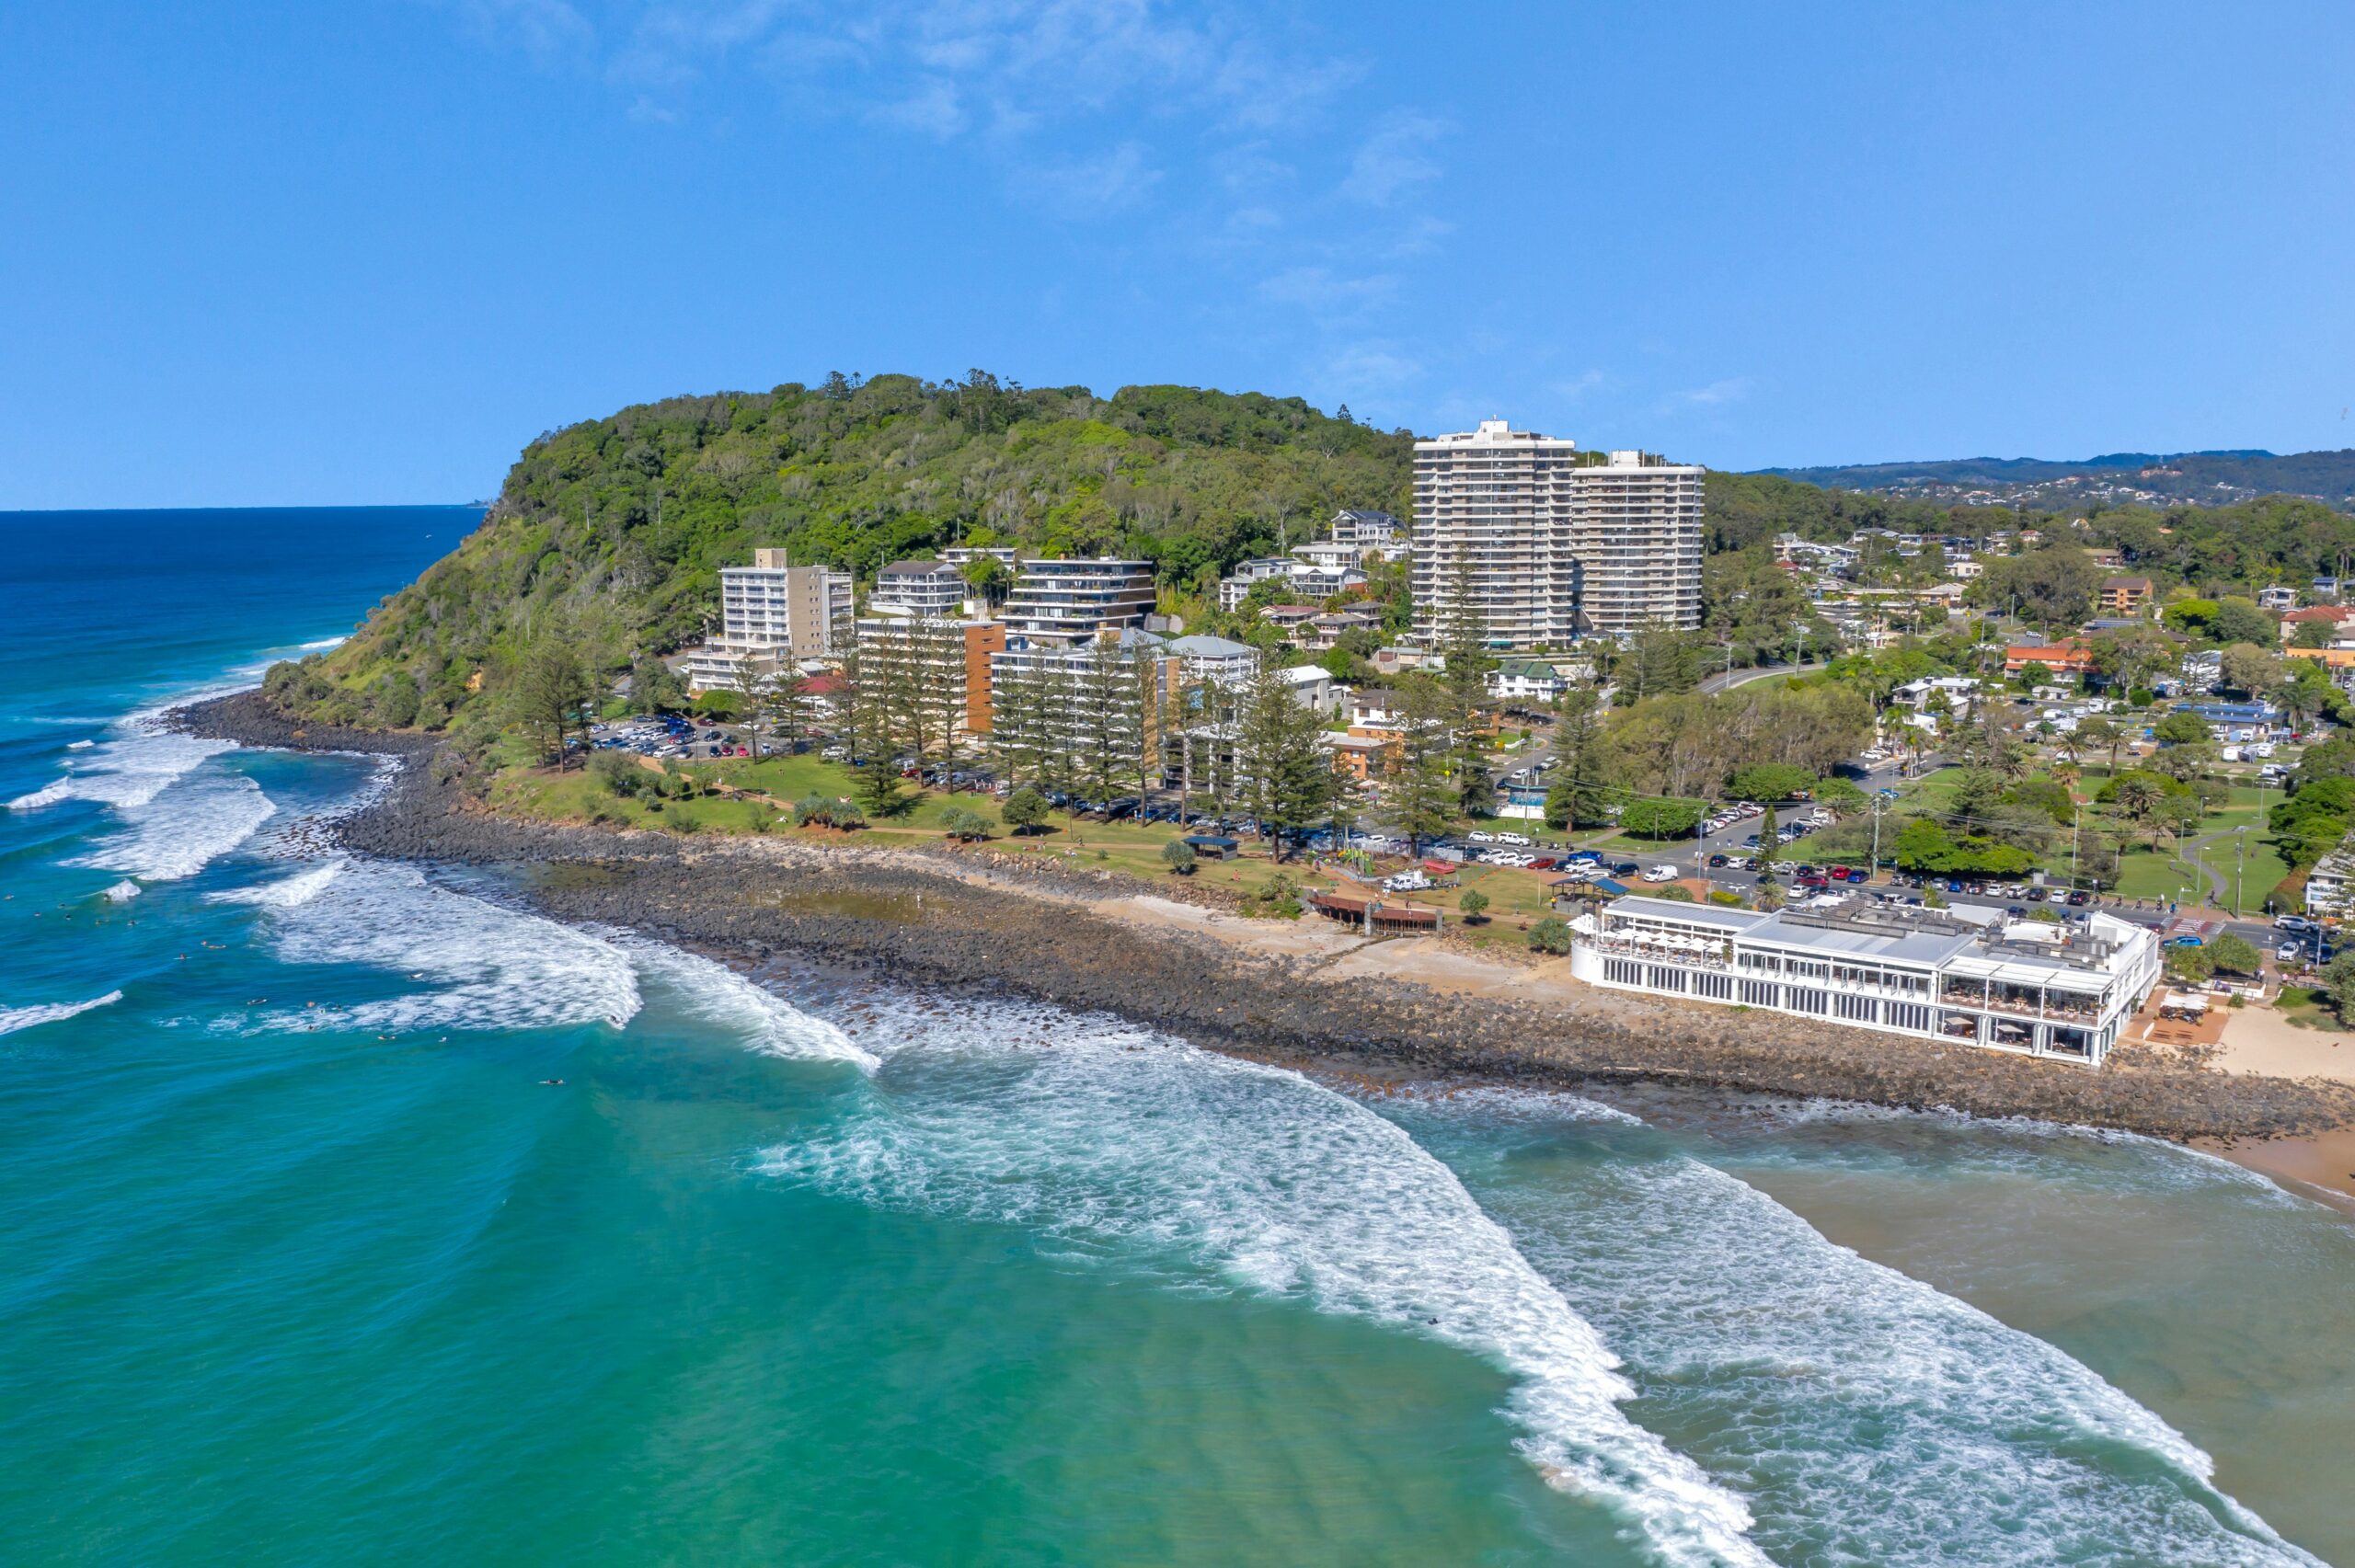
x: 2259, y: 1040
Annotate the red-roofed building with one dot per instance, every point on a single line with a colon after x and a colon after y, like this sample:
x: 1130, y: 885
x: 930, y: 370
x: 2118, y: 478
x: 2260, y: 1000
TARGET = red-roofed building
x: 2067, y: 656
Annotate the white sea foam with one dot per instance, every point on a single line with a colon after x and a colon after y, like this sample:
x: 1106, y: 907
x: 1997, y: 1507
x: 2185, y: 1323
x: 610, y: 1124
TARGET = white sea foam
x: 480, y: 966
x: 178, y: 833
x: 1118, y: 1141
x: 121, y: 892
x: 14, y: 1018
x: 1870, y: 1417
x: 717, y: 995
x: 79, y: 745
x: 139, y: 762
x: 287, y: 891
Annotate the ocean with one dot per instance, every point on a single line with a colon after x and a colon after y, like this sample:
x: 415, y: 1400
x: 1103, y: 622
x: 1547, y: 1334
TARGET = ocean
x: 304, y: 1262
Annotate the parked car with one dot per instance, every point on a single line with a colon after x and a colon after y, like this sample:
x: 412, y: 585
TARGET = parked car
x: 1660, y: 874
x: 2079, y: 897
x: 2188, y: 939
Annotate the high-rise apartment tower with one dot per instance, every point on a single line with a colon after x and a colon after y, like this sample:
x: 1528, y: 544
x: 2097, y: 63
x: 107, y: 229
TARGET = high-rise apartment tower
x: 1553, y: 544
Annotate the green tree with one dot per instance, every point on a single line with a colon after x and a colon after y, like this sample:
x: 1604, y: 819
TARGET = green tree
x: 880, y: 788
x: 1576, y: 796
x: 1551, y: 935
x: 1179, y: 855
x: 790, y: 709
x: 2235, y: 955
x: 552, y: 689
x: 2338, y: 979
x: 1025, y: 809
x: 1474, y: 904
x: 1288, y: 778
x: 1420, y: 798
x: 2180, y: 729
x: 964, y: 824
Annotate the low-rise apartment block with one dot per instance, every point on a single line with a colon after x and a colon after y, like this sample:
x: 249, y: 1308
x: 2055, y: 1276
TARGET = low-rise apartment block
x: 1068, y: 603
x: 919, y: 587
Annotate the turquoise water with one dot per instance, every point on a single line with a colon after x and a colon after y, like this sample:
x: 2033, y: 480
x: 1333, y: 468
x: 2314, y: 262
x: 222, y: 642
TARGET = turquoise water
x: 301, y: 1261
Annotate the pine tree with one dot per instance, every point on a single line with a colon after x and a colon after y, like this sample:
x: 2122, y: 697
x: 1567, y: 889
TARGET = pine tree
x: 788, y: 702
x: 1576, y: 795
x: 1420, y: 798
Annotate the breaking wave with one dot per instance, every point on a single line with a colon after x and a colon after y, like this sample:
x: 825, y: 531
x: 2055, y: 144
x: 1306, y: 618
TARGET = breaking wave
x: 717, y: 995
x: 14, y: 1018
x: 287, y: 891
x: 1119, y: 1142
x: 479, y: 966
x: 1870, y: 1417
x: 139, y: 763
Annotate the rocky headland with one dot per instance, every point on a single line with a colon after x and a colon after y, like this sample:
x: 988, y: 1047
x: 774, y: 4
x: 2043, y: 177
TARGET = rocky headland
x: 947, y: 918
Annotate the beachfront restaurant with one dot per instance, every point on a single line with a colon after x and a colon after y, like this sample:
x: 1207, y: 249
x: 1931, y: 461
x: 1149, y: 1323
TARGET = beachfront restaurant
x: 2057, y: 989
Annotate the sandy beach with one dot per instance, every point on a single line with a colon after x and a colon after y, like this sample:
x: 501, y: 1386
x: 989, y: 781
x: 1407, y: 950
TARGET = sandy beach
x: 2261, y: 1041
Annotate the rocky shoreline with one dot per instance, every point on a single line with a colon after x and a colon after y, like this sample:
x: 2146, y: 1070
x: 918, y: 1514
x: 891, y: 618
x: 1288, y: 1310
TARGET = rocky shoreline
x: 949, y: 920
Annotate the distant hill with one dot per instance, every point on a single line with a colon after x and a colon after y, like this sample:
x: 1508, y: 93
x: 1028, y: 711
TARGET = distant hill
x: 2209, y: 478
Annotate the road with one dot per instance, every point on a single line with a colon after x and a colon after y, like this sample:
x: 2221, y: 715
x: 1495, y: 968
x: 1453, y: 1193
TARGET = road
x: 1726, y: 682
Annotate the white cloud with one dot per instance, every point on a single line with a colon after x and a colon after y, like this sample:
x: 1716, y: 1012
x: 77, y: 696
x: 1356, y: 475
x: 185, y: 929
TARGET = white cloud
x: 1326, y: 294
x: 934, y: 107
x: 1579, y: 385
x: 542, y: 28
x: 1370, y: 368
x: 1394, y: 159
x: 1716, y: 394
x: 1087, y: 187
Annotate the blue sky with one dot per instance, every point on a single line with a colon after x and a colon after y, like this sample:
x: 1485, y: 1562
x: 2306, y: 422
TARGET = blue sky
x: 362, y: 252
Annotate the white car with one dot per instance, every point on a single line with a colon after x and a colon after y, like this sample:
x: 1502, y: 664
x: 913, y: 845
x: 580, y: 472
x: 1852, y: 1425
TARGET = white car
x: 1481, y: 837
x: 1660, y: 874
x: 1511, y: 839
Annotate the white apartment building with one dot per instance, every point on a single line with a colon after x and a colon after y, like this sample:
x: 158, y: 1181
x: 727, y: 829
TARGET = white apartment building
x: 1636, y: 534
x: 1556, y: 545
x: 1072, y: 601
x: 770, y: 613
x: 2330, y: 886
x: 1494, y: 506
x: 919, y: 587
x: 2064, y: 992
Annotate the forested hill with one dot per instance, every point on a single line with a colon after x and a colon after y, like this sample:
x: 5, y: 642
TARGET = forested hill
x: 617, y: 528
x: 2207, y: 478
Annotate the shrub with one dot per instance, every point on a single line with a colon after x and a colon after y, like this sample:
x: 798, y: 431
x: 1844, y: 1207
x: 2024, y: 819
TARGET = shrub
x: 964, y: 825
x: 1178, y: 856
x: 1674, y: 894
x: 812, y: 811
x: 1551, y: 935
x: 1278, y: 900
x: 1023, y: 809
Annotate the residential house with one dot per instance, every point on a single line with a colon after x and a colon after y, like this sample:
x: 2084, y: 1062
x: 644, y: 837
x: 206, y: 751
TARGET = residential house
x: 2067, y: 656
x: 2277, y: 598
x: 1526, y: 681
x: 1368, y: 530
x: 2340, y: 618
x: 1313, y: 688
